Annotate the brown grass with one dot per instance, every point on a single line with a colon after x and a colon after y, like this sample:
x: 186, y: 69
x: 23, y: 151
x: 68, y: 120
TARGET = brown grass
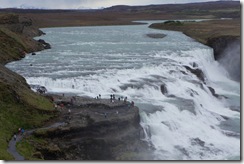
x: 201, y: 31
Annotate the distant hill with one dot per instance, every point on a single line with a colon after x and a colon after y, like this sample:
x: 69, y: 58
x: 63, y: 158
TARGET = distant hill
x: 125, y: 15
x: 216, y: 8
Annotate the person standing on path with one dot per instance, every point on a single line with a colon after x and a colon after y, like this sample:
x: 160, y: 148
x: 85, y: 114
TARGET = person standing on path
x: 22, y: 131
x: 111, y: 98
x: 125, y: 99
x: 15, y: 137
x: 19, y: 131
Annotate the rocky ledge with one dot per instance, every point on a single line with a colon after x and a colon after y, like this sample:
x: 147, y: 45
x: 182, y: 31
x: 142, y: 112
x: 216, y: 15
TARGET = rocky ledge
x: 91, y: 129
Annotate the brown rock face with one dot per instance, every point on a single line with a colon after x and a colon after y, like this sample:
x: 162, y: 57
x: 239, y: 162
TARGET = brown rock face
x: 227, y: 51
x: 95, y: 130
x: 220, y: 43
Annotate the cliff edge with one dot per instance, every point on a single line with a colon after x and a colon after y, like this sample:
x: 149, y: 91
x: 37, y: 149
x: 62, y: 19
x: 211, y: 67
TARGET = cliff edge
x: 90, y: 129
x: 223, y: 35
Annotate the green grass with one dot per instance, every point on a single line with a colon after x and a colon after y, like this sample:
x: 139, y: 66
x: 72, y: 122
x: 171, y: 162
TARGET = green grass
x: 173, y: 23
x: 29, y: 112
x: 13, y: 116
x: 9, y: 48
x: 19, y: 106
x: 16, y: 37
x: 26, y: 148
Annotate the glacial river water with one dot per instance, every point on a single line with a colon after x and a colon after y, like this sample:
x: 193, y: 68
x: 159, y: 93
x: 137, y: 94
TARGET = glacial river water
x: 186, y: 123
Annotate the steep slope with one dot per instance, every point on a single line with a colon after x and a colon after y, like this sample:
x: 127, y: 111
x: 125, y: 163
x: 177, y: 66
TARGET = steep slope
x: 19, y: 105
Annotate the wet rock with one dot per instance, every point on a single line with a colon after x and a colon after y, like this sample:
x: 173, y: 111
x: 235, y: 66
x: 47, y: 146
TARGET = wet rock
x: 220, y: 43
x: 216, y: 95
x: 45, y: 44
x: 163, y: 89
x: 198, y: 72
x: 38, y: 88
x: 194, y: 64
x: 235, y: 108
x: 197, y: 141
x: 231, y: 134
x: 225, y: 117
x: 213, y: 92
x: 183, y: 72
x: 156, y: 35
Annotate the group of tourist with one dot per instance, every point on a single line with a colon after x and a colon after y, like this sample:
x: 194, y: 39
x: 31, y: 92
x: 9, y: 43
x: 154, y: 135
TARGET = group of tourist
x: 112, y: 98
x: 20, y: 132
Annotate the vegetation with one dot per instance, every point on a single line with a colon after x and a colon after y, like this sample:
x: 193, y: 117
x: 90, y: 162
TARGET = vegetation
x: 27, y: 149
x: 19, y: 106
x: 173, y: 23
x: 202, y: 31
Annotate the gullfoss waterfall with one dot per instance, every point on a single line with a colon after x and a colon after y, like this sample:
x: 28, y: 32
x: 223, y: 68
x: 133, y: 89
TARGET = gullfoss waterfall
x: 189, y: 107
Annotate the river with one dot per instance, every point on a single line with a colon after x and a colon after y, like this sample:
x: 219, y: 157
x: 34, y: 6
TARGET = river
x: 183, y: 121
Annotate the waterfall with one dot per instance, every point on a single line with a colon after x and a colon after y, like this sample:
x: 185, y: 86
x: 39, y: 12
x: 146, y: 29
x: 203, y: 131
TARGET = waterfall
x: 189, y: 107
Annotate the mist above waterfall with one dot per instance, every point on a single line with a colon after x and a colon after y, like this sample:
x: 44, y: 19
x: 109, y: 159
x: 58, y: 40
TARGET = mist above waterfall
x: 230, y: 59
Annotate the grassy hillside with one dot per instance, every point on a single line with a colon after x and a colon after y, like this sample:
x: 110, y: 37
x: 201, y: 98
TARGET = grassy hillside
x: 19, y: 106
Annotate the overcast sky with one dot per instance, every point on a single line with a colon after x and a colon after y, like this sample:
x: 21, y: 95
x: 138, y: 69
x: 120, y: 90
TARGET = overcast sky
x: 75, y: 4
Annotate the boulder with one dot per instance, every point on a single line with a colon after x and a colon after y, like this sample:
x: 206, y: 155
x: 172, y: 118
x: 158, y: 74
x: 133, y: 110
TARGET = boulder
x: 156, y: 35
x: 197, y: 141
x: 198, y: 72
x: 163, y: 89
x: 45, y: 44
x: 213, y: 92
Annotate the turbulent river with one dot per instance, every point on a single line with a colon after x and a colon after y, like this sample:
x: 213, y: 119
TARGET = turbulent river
x: 182, y: 119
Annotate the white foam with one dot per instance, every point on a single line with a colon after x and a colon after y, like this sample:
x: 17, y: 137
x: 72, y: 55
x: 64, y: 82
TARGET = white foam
x: 137, y: 71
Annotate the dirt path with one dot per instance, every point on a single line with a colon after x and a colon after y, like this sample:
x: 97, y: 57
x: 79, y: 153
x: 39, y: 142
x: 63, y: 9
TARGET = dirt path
x: 12, y: 148
x: 87, y: 106
x: 12, y: 143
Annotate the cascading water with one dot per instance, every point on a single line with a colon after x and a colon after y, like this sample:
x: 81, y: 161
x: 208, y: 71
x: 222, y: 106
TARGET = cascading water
x: 170, y: 79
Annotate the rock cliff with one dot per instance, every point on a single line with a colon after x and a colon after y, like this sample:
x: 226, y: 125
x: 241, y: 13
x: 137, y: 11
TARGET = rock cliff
x: 227, y: 50
x: 94, y: 130
x: 16, y: 35
x: 219, y: 44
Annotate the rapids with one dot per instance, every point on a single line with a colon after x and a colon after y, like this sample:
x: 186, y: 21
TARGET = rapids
x: 186, y: 122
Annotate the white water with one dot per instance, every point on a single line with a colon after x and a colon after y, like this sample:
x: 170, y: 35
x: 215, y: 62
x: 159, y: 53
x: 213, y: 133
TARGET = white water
x: 186, y: 123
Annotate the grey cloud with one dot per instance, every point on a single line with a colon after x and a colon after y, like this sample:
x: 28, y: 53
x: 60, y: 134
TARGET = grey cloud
x: 74, y: 4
